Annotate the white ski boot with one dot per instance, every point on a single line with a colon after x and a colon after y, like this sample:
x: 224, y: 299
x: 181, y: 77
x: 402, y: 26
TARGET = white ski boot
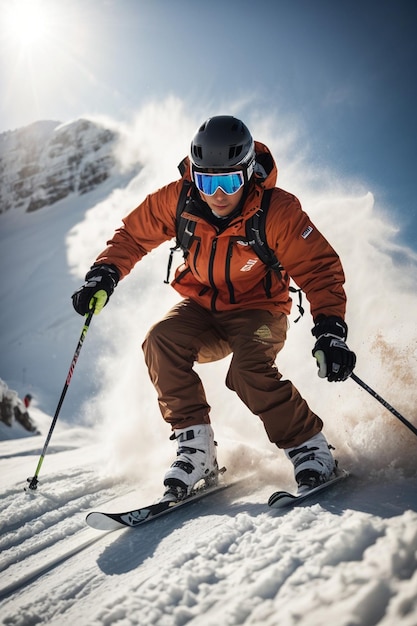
x: 196, y: 461
x: 313, y: 462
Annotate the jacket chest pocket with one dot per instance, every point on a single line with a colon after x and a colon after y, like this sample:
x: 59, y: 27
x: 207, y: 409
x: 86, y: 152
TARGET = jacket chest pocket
x: 241, y: 258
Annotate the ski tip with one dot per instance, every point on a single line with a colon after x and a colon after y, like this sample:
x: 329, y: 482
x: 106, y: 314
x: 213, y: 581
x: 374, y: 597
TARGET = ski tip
x: 282, y: 499
x: 100, y: 521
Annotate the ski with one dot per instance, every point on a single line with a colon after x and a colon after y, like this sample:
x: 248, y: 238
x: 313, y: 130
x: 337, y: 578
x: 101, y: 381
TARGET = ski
x: 137, y: 517
x: 284, y: 499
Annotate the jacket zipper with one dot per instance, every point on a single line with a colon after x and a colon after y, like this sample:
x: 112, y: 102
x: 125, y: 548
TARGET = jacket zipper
x: 228, y: 280
x: 194, y: 257
x: 210, y: 275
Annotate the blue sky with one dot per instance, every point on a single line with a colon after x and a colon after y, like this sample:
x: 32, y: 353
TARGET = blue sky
x: 344, y: 73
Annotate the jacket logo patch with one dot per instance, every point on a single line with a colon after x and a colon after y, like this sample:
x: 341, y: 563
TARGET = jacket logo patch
x: 307, y: 232
x: 248, y: 266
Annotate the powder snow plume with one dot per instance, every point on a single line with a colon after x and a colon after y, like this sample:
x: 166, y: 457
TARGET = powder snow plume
x: 229, y: 558
x: 381, y: 288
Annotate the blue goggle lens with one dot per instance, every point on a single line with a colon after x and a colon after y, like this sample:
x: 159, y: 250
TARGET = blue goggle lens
x: 208, y: 184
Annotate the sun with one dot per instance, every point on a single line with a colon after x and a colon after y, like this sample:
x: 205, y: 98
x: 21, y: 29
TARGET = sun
x: 26, y: 23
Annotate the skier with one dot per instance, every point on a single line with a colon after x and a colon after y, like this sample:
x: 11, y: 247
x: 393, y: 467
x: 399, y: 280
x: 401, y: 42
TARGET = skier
x: 27, y: 400
x: 232, y: 303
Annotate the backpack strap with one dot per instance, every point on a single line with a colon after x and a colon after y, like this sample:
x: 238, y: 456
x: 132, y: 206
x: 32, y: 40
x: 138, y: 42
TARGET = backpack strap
x: 256, y: 235
x: 184, y: 228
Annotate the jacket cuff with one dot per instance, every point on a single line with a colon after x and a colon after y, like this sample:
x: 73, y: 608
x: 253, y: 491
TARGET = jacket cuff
x: 330, y: 325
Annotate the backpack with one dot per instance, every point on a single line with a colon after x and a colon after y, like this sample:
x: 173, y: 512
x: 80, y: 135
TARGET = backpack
x: 255, y: 234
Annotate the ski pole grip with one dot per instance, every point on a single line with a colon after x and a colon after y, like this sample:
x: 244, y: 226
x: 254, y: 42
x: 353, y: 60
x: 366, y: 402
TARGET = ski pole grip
x: 98, y: 301
x: 321, y: 363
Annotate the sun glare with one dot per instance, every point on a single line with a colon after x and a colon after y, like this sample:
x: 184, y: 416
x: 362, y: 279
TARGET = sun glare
x: 26, y: 22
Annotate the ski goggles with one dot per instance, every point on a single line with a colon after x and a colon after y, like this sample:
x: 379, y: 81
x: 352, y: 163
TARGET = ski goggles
x: 229, y: 182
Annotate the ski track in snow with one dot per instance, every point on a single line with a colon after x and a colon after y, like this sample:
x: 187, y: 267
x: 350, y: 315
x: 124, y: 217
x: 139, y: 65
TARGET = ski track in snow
x: 227, y: 559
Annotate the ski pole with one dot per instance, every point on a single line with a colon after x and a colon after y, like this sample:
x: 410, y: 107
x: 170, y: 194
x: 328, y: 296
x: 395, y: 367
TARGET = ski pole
x: 384, y: 403
x: 33, y: 482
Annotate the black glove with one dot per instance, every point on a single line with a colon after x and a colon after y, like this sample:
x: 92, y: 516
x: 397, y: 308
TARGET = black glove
x: 96, y: 291
x: 334, y: 359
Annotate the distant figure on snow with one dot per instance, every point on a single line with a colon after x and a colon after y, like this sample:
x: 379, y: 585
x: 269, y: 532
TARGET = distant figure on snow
x: 27, y: 400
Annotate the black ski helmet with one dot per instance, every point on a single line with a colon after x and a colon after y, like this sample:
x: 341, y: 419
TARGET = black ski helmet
x: 223, y: 142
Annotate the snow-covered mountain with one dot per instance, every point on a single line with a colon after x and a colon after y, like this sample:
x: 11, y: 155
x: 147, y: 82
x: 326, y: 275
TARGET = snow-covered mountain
x: 41, y: 165
x: 47, y: 161
x: 61, y: 170
x: 350, y: 558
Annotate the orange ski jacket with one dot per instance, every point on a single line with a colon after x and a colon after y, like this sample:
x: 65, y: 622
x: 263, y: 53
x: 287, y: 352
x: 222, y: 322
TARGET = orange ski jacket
x: 222, y: 271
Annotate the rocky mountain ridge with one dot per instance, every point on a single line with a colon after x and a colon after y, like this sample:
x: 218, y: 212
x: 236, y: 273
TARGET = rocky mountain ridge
x: 46, y: 161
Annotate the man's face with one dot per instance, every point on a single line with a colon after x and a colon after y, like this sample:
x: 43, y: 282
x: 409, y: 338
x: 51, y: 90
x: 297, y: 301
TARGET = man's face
x: 228, y: 189
x: 222, y: 204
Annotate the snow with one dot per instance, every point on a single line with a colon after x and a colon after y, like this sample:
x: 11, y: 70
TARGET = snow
x: 226, y: 559
x: 348, y: 558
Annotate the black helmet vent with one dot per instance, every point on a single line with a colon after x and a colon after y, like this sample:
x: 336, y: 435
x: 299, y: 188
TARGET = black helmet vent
x: 234, y: 151
x: 197, y: 151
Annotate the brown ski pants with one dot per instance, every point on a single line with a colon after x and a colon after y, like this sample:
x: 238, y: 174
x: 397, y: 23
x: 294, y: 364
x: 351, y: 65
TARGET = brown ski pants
x: 190, y: 333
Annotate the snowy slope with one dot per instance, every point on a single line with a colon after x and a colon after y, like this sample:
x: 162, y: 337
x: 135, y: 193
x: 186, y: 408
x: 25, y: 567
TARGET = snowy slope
x: 226, y: 560
x: 349, y: 559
